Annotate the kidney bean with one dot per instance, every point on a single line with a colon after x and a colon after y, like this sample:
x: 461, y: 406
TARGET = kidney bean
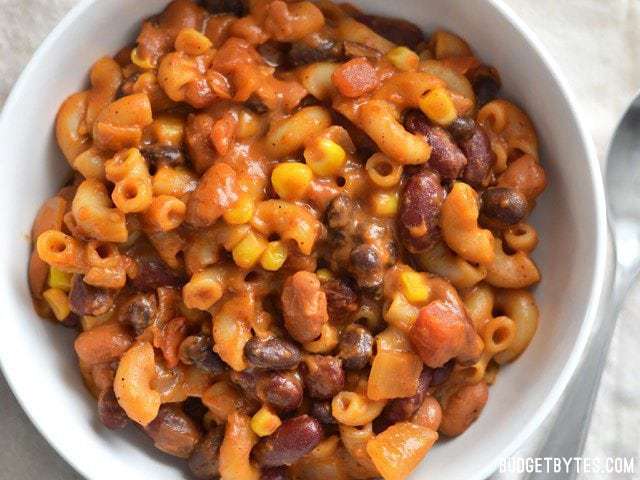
x: 71, y: 321
x: 321, y: 411
x: 396, y: 30
x: 173, y: 432
x: 429, y: 414
x: 442, y: 374
x: 463, y: 408
x: 138, y: 310
x: 419, y: 211
x: 85, y: 299
x: 342, y: 300
x: 446, y: 159
x: 205, y: 459
x: 272, y: 353
x: 234, y: 7
x: 247, y: 381
x: 194, y: 407
x: 477, y: 149
x: 323, y: 376
x: 196, y: 349
x: 502, y: 207
x: 304, y: 306
x: 153, y: 273
x: 110, y: 412
x: 291, y: 441
x: 282, y: 390
x: 462, y: 128
x: 158, y: 154
x: 275, y: 473
x: 401, y: 409
x: 356, y: 347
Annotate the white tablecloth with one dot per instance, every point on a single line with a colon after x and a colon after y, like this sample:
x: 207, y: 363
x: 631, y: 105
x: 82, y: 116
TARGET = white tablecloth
x: 597, y: 45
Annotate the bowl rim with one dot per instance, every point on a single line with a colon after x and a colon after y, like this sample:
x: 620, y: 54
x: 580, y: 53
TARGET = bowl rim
x: 78, y: 463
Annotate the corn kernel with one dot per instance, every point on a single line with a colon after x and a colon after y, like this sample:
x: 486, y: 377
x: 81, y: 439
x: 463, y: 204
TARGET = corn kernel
x: 265, y: 422
x: 168, y: 129
x: 403, y: 58
x: 137, y: 60
x: 58, y: 301
x: 59, y: 279
x: 438, y: 106
x: 274, y: 256
x: 241, y: 212
x: 415, y: 287
x: 324, y: 275
x: 326, y: 158
x: 247, y: 252
x: 385, y: 204
x: 192, y: 42
x: 291, y: 180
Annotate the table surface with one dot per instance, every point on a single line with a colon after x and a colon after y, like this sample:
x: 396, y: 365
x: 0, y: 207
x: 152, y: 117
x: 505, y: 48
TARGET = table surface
x: 597, y: 46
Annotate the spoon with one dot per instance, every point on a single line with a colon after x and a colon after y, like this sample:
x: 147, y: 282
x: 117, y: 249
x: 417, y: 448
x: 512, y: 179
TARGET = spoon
x: 568, y: 434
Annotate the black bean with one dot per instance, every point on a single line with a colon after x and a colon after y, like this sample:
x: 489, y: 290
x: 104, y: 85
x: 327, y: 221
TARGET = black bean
x: 272, y: 53
x: 462, y: 128
x: 158, y: 154
x: 401, y: 32
x: 442, y: 374
x: 234, y: 7
x: 502, y: 208
x: 321, y: 410
x: 401, y: 409
x: 85, y: 299
x: 275, y: 473
x: 486, y: 89
x: 153, y: 273
x: 272, y: 353
x: 313, y: 50
x: 342, y: 299
x: 139, y: 310
x: 356, y: 347
x: 197, y: 350
x: 291, y: 441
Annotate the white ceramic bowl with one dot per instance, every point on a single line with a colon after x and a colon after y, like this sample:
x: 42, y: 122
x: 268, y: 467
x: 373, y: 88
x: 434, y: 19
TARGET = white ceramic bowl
x: 38, y: 359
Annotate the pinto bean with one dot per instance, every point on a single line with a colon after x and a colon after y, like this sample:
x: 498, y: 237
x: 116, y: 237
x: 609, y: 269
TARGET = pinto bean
x: 85, y: 299
x: 173, y: 432
x: 419, y: 211
x: 401, y: 409
x: 291, y: 441
x: 234, y: 7
x: 110, y: 412
x: 321, y: 410
x: 138, y: 310
x: 323, y: 376
x: 396, y: 30
x: 281, y: 390
x: 196, y: 349
x: 429, y: 414
x: 447, y: 160
x: 205, y: 458
x: 275, y: 473
x: 502, y: 207
x: 158, y: 154
x: 304, y: 306
x: 103, y: 343
x: 463, y: 408
x: 356, y: 347
x: 272, y: 353
x: 342, y: 300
